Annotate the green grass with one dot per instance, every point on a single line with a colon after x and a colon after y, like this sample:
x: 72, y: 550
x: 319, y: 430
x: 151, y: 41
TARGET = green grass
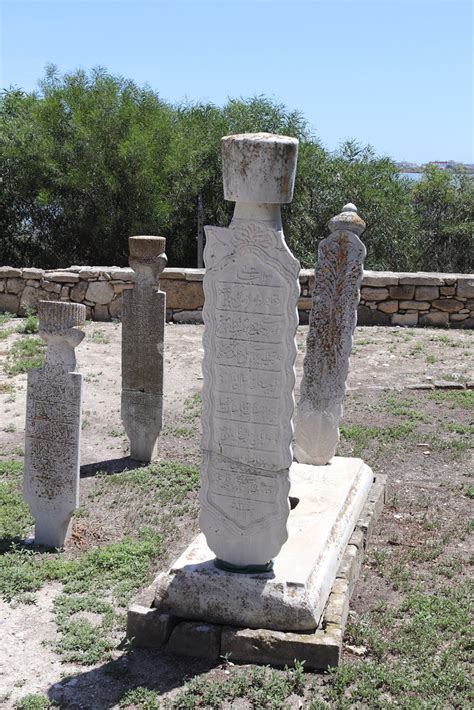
x: 401, y: 407
x: 261, y: 687
x: 361, y: 435
x: 193, y: 407
x: 457, y: 399
x: 99, y: 337
x: 24, y: 354
x: 15, y: 519
x: 30, y: 324
x: 34, y: 702
x: 80, y: 640
x: 6, y: 388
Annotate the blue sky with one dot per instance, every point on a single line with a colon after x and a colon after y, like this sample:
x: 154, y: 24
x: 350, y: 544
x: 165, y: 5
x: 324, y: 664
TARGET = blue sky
x: 394, y: 73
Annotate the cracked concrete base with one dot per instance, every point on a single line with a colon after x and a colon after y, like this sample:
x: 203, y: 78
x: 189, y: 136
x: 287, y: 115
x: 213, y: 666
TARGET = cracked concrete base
x: 148, y: 627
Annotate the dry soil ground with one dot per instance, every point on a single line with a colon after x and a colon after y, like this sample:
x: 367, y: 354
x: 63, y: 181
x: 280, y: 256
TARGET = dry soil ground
x: 420, y: 438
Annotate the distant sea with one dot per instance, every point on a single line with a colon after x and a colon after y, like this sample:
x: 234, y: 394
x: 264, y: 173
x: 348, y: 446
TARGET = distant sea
x: 412, y: 176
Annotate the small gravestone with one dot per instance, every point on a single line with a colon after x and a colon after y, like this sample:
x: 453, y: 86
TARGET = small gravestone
x: 338, y: 276
x: 143, y: 325
x: 53, y: 424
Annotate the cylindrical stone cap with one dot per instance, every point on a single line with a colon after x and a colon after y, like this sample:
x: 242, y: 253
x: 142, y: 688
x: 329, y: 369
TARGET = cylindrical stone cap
x: 259, y: 167
x: 348, y: 220
x: 57, y: 316
x: 143, y: 247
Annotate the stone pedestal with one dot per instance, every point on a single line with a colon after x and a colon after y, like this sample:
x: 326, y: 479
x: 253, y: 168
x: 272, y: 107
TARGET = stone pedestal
x: 328, y: 501
x: 53, y: 424
x: 338, y: 276
x: 251, y: 292
x: 143, y: 323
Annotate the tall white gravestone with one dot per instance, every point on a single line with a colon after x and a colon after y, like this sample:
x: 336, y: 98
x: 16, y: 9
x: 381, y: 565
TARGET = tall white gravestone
x: 251, y: 292
x: 143, y: 325
x: 53, y: 424
x: 338, y: 276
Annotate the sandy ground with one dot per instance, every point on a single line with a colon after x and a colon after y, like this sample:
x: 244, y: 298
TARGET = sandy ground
x: 383, y: 358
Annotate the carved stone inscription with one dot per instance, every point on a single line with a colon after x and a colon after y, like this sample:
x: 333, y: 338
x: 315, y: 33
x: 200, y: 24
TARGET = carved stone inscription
x: 251, y: 291
x: 143, y: 322
x: 51, y: 481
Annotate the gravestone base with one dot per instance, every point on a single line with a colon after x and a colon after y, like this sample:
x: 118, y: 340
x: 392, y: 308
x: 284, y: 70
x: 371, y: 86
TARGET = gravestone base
x: 190, y: 631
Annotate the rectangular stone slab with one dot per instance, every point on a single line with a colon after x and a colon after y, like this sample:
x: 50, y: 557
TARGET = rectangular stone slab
x: 292, y: 597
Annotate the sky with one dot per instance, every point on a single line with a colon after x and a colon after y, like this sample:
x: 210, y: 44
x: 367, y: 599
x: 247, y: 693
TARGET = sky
x: 397, y: 74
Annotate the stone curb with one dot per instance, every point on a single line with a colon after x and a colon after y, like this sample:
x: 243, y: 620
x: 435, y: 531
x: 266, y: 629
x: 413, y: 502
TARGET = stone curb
x: 148, y: 628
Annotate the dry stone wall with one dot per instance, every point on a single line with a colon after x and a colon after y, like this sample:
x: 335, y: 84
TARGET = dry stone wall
x: 387, y: 298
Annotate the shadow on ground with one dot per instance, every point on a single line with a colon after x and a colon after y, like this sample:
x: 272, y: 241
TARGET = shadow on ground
x: 110, y: 466
x: 101, y: 688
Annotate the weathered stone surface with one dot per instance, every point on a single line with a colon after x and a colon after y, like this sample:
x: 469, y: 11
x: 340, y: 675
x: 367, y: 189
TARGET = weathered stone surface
x: 195, y: 639
x: 101, y: 313
x: 318, y: 650
x: 426, y: 293
x: 53, y: 425
x: 99, y: 292
x: 338, y: 604
x: 62, y: 276
x: 388, y: 307
x: 465, y: 287
x: 374, y: 294
x: 468, y: 323
x: 182, y: 294
x: 147, y: 628
x: 8, y: 272
x: 89, y: 273
x: 9, y: 302
x: 379, y: 278
x: 2, y: 285
x: 31, y: 297
x: 15, y: 285
x: 251, y: 287
x: 32, y: 282
x: 331, y: 500
x: 405, y: 292
x: 187, y: 317
x: 143, y: 323
x: 64, y: 294
x: 450, y: 305
x: 414, y: 305
x: 458, y: 317
x: 422, y: 278
x: 120, y: 288
x: 447, y: 290
x: 195, y: 274
x: 367, y: 316
x: 32, y: 273
x: 78, y: 292
x: 405, y: 319
x: 115, y: 307
x: 50, y: 287
x: 331, y: 325
x: 434, y: 318
x: 174, y: 273
x: 121, y: 274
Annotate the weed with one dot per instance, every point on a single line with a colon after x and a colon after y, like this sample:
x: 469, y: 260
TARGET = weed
x: 6, y: 388
x: 34, y: 702
x: 431, y: 359
x: 25, y: 354
x: 361, y: 435
x: 401, y: 407
x: 417, y: 348
x: 469, y: 491
x: 30, y: 324
x: 457, y: 399
x: 116, y: 433
x: 80, y: 640
x: 193, y: 407
x: 99, y: 337
x: 10, y: 428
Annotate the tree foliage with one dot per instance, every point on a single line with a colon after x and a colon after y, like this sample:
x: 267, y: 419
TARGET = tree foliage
x: 92, y: 158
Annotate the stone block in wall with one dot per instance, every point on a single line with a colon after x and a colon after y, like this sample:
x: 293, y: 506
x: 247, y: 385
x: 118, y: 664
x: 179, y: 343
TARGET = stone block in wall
x: 115, y: 307
x: 31, y: 297
x: 374, y: 294
x: 121, y: 274
x: 50, y: 287
x: 427, y: 293
x: 33, y: 283
x: 78, y: 291
x: 367, y: 316
x: 187, y: 316
x: 100, y: 313
x: 304, y: 304
x: 414, y: 305
x: 2, y: 285
x: 100, y: 292
x: 422, y: 279
x: 89, y: 273
x: 434, y: 318
x: 119, y: 288
x: 62, y: 277
x: 450, y: 305
x: 8, y: 272
x: 405, y: 291
x: 388, y: 306
x: 465, y: 287
x: 447, y: 290
x: 468, y: 323
x: 380, y: 278
x: 194, y: 274
x: 185, y: 295
x: 458, y: 317
x: 64, y: 295
x: 32, y: 273
x: 176, y: 274
x: 15, y: 285
x: 9, y: 302
x: 409, y: 319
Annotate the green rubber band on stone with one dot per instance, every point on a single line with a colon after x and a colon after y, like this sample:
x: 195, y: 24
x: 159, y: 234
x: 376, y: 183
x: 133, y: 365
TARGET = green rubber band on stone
x: 246, y: 569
